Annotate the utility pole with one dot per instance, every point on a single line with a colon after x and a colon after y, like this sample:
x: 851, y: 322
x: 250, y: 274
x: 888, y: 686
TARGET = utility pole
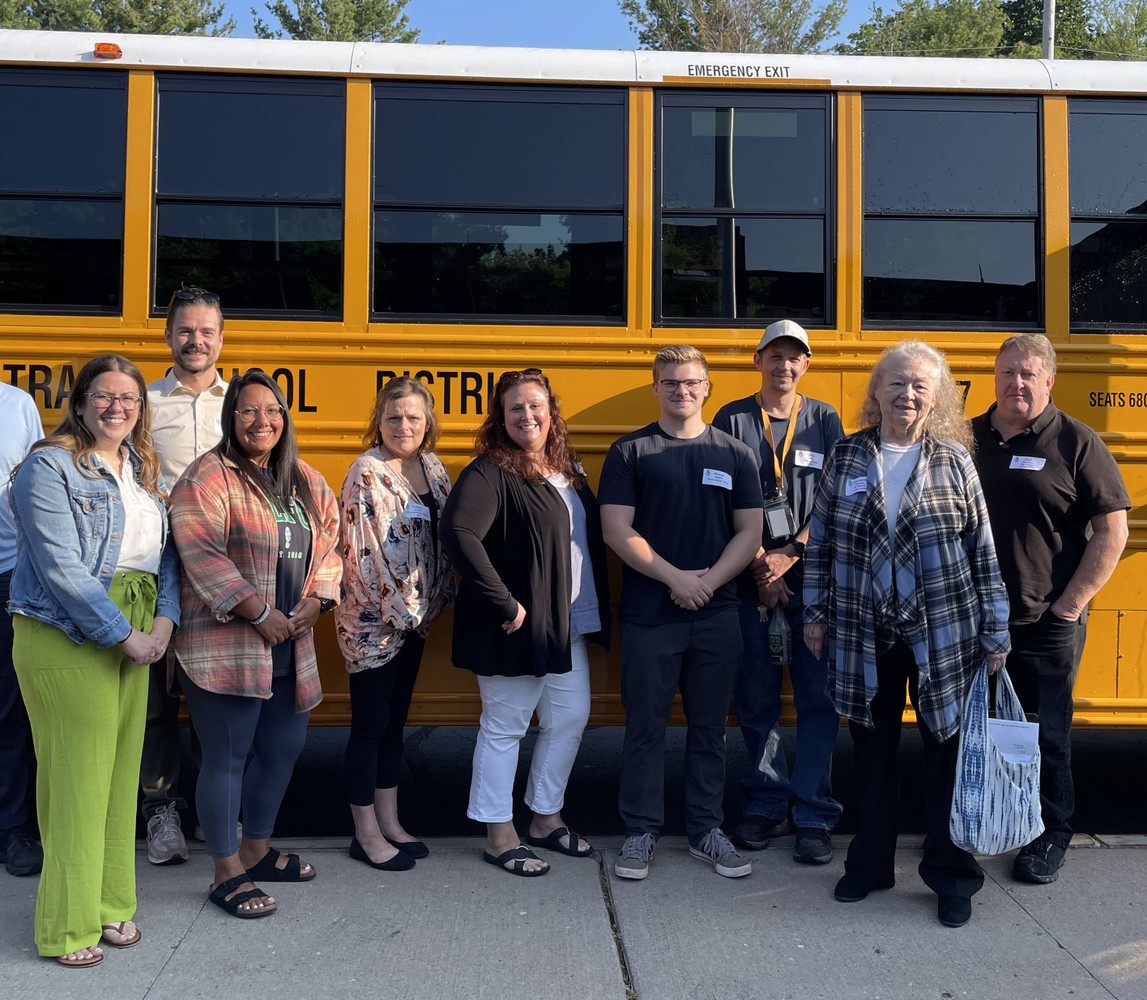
x: 1049, y: 29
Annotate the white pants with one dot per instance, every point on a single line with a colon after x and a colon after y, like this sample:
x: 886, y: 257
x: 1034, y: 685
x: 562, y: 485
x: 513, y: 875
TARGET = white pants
x: 562, y: 704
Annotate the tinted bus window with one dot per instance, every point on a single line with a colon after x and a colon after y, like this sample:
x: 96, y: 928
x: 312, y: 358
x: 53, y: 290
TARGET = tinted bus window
x: 61, y: 190
x: 499, y: 202
x: 249, y: 199
x: 1108, y: 171
x: 743, y: 208
x: 951, y: 203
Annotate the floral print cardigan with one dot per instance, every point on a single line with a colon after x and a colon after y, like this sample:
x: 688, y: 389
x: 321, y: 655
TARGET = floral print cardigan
x: 395, y: 579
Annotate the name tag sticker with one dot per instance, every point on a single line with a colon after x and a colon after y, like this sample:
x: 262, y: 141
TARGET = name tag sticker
x: 808, y: 459
x: 1029, y: 462
x: 854, y: 486
x: 417, y: 511
x: 715, y: 477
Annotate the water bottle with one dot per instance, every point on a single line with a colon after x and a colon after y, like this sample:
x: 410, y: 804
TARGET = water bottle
x: 780, y: 637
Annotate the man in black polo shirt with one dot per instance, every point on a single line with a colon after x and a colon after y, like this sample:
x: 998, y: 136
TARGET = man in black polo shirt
x: 681, y: 505
x: 1058, y: 508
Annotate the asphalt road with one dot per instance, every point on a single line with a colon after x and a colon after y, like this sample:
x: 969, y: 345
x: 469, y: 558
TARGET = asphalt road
x: 435, y: 783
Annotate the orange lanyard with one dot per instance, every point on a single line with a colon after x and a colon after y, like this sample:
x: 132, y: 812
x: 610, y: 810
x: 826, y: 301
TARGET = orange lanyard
x: 779, y: 462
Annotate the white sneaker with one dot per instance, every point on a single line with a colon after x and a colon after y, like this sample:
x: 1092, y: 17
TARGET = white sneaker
x: 165, y: 843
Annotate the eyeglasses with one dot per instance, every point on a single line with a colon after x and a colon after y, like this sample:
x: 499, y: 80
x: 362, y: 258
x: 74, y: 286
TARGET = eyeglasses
x: 688, y: 384
x: 525, y: 375
x: 272, y: 413
x: 104, y: 400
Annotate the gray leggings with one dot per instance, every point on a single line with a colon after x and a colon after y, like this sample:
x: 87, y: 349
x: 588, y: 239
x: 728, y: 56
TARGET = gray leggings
x: 230, y: 728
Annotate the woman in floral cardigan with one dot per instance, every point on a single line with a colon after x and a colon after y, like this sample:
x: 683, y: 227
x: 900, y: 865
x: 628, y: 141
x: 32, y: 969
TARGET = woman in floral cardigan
x: 396, y: 582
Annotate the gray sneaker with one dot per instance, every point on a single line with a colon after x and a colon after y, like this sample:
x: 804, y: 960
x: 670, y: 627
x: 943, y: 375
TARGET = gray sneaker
x: 636, y: 857
x: 716, y: 849
x: 165, y: 843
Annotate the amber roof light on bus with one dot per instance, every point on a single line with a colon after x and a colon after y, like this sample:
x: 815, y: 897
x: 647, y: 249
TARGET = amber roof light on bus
x: 107, y: 50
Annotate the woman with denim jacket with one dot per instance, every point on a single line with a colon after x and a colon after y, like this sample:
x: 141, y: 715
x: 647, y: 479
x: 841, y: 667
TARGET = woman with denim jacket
x: 94, y: 599
x: 256, y: 529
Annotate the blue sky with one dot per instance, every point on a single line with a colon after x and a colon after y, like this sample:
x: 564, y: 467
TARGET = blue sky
x: 571, y: 24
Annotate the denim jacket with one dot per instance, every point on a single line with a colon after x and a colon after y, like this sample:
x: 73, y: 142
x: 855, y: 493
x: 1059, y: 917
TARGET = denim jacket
x: 68, y: 530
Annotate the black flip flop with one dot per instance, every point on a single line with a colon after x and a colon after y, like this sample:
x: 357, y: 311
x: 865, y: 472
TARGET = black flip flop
x: 553, y: 842
x: 519, y: 856
x: 267, y: 869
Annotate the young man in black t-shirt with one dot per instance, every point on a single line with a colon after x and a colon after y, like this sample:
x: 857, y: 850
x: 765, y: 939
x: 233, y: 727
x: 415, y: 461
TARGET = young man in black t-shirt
x: 681, y: 505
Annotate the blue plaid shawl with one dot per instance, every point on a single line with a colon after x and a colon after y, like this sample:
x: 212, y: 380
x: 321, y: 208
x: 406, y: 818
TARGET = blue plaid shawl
x: 934, y: 582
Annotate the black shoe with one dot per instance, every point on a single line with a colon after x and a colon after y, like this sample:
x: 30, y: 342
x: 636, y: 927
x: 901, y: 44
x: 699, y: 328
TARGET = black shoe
x: 399, y: 863
x: 21, y: 852
x: 813, y: 846
x: 854, y: 888
x: 1039, y: 862
x: 753, y: 833
x: 954, y: 911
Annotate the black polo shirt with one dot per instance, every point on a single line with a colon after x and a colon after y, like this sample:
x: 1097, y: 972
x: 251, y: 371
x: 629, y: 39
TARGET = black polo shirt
x: 1043, y: 487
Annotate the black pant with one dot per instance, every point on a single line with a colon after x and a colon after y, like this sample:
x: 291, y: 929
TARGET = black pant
x: 17, y: 758
x: 701, y: 658
x: 379, y: 702
x: 1042, y: 665
x: 946, y: 869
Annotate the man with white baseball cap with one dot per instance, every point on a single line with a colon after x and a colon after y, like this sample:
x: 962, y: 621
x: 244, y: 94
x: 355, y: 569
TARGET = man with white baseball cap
x: 791, y: 436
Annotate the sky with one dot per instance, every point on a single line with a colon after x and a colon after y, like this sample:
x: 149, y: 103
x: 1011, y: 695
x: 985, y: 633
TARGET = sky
x: 568, y: 24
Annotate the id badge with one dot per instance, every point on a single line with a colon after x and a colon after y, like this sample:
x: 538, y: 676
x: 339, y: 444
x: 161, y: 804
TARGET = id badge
x: 779, y: 523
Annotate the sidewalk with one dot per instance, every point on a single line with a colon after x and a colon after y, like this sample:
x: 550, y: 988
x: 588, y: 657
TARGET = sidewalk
x: 457, y: 929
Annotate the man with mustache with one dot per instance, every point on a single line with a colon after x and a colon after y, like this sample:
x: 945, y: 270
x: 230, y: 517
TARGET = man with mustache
x: 186, y: 410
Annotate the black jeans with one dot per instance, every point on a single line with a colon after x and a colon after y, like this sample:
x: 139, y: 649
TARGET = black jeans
x: 17, y: 758
x: 946, y: 869
x: 701, y: 658
x: 379, y: 702
x: 1042, y: 665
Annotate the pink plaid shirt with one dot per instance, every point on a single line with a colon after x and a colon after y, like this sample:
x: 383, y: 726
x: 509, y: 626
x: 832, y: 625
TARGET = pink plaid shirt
x: 229, y: 545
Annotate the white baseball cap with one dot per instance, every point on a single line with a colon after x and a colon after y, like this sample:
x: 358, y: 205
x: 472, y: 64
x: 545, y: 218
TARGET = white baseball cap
x: 784, y: 328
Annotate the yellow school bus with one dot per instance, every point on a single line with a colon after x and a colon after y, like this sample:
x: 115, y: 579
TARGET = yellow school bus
x: 454, y: 212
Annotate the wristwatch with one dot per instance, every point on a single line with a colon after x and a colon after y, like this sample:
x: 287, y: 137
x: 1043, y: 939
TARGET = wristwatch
x: 325, y: 604
x: 798, y: 548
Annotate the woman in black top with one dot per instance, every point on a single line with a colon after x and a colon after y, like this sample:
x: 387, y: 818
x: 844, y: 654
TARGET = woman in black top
x: 522, y: 528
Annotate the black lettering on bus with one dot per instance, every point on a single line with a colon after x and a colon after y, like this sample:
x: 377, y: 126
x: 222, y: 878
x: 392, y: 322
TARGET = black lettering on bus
x: 14, y: 374
x: 472, y: 389
x: 303, y: 405
x: 64, y: 389
x: 40, y: 381
x: 447, y: 378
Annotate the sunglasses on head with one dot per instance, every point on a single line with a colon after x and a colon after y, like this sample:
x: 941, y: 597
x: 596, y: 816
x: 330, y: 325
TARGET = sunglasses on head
x: 194, y: 294
x: 524, y: 375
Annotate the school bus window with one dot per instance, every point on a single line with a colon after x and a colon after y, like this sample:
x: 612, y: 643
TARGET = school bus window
x: 951, y: 201
x: 249, y: 202
x: 499, y: 201
x: 61, y: 190
x: 744, y: 205
x: 1108, y: 171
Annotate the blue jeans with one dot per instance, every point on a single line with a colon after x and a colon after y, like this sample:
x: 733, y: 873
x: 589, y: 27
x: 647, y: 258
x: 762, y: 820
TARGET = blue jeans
x: 770, y: 790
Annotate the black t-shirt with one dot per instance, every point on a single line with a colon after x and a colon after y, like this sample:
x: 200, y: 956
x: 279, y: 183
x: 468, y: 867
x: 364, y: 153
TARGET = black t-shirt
x: 290, y: 574
x: 683, y: 492
x: 1043, y: 487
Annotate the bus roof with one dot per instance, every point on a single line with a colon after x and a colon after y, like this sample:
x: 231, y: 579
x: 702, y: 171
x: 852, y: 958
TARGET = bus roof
x: 444, y: 62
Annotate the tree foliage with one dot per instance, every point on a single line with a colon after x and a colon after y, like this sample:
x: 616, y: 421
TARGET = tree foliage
x: 1121, y: 29
x: 1023, y: 35
x: 733, y: 25
x: 338, y: 20
x: 167, y: 17
x: 930, y: 27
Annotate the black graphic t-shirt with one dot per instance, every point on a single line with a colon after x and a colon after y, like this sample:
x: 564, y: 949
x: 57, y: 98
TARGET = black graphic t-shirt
x: 290, y: 574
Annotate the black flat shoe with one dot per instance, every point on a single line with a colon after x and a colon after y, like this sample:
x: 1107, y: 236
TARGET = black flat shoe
x: 412, y: 848
x: 399, y: 863
x: 954, y: 911
x: 854, y: 888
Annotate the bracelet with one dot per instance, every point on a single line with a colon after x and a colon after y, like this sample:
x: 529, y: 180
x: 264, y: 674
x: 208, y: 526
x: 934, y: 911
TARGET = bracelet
x: 263, y: 617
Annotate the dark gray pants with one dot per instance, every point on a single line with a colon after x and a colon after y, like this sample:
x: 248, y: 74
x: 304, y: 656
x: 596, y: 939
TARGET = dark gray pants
x: 700, y: 658
x: 16, y: 755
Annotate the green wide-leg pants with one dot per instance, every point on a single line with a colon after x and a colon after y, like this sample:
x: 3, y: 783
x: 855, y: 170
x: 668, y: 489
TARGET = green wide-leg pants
x: 86, y: 706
